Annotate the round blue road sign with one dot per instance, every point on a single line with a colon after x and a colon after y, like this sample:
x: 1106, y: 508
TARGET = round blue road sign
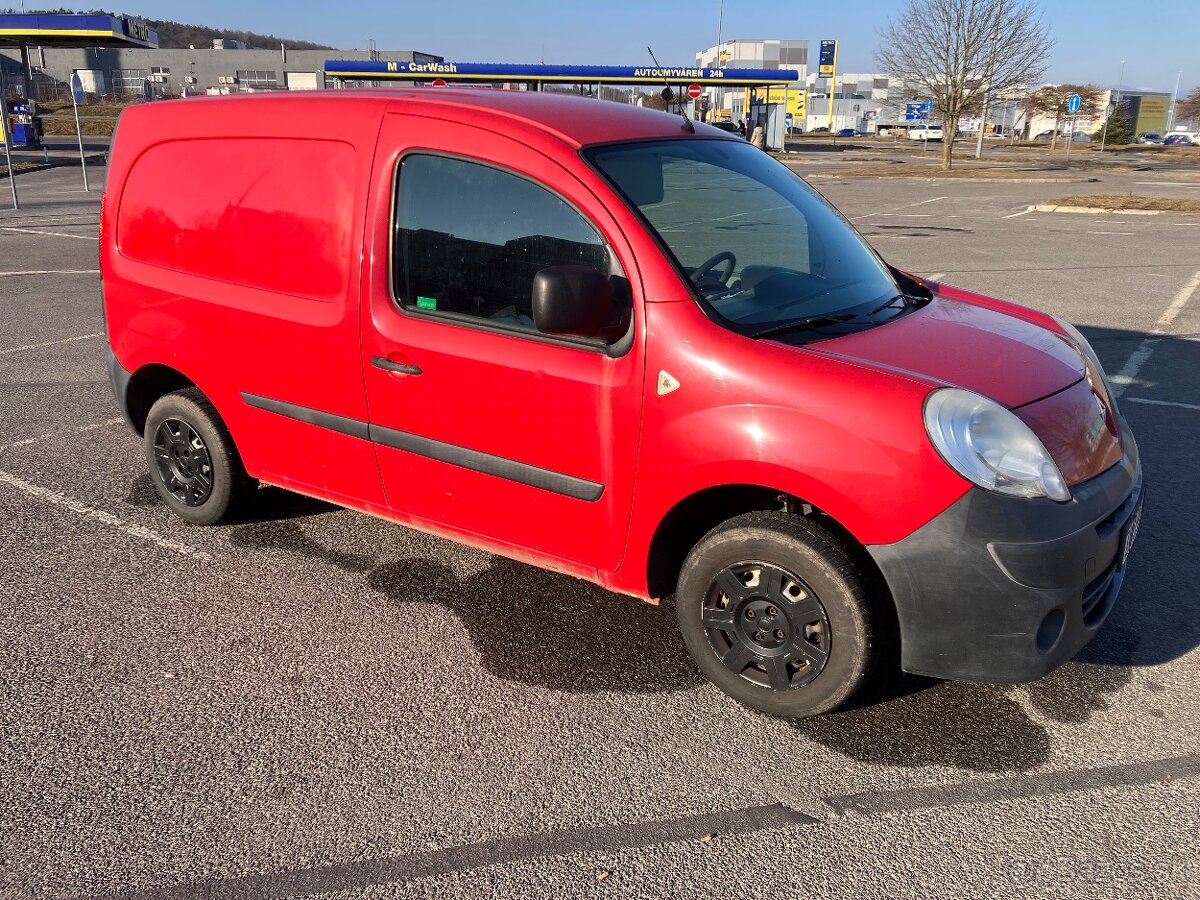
x: 1074, y: 103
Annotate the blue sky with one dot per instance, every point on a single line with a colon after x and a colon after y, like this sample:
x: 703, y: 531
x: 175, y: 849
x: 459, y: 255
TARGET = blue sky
x: 1156, y: 38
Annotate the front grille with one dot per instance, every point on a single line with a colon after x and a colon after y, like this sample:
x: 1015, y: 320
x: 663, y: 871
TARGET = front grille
x: 1113, y: 522
x: 1094, y: 607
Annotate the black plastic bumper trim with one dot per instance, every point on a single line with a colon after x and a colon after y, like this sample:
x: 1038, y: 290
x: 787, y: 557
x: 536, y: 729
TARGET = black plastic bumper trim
x: 119, y: 378
x: 973, y: 586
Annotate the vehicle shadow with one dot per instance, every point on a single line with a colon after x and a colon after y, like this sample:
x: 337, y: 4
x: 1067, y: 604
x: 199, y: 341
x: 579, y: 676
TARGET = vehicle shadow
x: 540, y: 628
x: 272, y: 504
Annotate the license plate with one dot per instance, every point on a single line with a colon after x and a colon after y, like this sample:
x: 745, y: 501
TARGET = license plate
x: 1131, y: 529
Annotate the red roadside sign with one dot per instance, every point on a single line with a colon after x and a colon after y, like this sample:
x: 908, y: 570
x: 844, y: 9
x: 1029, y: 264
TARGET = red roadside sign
x: 694, y: 91
x: 439, y: 82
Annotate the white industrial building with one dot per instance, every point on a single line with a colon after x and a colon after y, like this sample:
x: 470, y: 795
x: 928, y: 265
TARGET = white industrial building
x: 733, y: 103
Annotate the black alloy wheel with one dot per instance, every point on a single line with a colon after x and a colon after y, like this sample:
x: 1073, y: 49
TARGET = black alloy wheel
x: 183, y: 461
x: 193, y: 462
x: 781, y: 613
x: 766, y: 625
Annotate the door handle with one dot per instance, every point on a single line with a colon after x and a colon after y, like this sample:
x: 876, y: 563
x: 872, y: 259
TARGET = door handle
x: 388, y: 365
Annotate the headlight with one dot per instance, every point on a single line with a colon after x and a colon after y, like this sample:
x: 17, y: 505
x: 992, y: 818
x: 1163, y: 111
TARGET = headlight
x: 988, y: 445
x: 1082, y: 345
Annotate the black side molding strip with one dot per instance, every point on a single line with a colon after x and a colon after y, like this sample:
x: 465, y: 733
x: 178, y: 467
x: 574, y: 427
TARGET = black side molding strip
x: 512, y: 470
x: 522, y: 473
x: 342, y: 424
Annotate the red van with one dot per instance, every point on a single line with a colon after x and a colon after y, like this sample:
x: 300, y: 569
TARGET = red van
x: 609, y: 342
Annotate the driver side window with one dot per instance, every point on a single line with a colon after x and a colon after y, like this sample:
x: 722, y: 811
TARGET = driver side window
x: 470, y: 238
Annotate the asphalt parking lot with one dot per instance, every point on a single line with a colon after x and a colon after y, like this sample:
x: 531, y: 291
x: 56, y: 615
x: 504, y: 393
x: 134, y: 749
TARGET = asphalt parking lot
x: 319, y: 703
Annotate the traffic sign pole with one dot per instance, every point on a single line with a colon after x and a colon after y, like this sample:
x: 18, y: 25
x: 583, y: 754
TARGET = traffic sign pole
x: 6, y: 141
x: 1073, y: 104
x: 76, y: 96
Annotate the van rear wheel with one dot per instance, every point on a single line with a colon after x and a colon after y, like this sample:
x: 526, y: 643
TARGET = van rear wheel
x: 776, y: 614
x: 193, y: 462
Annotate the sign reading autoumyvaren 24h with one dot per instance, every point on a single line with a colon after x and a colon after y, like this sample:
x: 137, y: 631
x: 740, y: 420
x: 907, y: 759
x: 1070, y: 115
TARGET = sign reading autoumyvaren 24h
x: 382, y: 70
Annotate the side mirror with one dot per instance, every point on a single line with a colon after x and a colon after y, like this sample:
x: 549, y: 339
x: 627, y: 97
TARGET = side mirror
x: 576, y: 301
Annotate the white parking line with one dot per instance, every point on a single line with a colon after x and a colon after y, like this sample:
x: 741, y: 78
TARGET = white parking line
x: 936, y: 276
x: 1026, y: 211
x: 52, y: 272
x: 1162, y: 403
x: 75, y: 506
x: 70, y: 340
x: 898, y: 208
x: 1111, y: 232
x: 1191, y: 184
x: 78, y: 237
x: 84, y: 429
x: 1145, y: 349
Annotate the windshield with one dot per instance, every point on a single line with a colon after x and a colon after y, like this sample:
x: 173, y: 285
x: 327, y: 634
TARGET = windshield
x: 759, y: 245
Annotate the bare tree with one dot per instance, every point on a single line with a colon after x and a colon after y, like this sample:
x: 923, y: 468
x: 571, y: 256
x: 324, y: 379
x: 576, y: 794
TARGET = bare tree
x: 1188, y: 107
x: 960, y: 51
x: 1052, y: 100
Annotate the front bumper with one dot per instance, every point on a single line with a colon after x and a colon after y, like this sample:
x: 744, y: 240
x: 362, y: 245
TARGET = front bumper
x: 1004, y: 589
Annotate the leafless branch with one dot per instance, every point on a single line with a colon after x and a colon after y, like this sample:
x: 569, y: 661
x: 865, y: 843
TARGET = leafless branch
x: 959, y: 51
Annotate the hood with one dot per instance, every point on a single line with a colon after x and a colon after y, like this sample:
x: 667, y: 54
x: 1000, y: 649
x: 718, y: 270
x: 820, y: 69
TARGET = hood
x: 1001, y: 356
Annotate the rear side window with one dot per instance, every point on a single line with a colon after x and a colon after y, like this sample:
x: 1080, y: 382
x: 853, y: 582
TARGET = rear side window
x: 274, y: 214
x: 469, y: 240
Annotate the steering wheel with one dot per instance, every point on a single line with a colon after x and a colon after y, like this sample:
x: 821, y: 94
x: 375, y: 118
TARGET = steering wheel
x: 725, y: 256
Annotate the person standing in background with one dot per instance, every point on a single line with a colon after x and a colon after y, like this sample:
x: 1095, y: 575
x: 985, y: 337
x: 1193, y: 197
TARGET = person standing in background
x: 759, y: 139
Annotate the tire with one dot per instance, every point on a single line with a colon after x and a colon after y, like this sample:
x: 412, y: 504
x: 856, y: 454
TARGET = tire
x: 777, y: 615
x: 193, y: 462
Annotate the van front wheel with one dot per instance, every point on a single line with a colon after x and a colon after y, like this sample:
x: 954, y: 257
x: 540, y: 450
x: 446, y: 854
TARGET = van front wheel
x: 776, y: 614
x: 193, y: 462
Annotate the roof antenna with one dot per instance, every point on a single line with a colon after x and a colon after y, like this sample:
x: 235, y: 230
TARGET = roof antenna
x: 687, y: 123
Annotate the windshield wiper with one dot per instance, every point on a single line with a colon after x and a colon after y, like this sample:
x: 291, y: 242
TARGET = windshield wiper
x: 803, y: 324
x: 882, y: 306
x: 905, y: 302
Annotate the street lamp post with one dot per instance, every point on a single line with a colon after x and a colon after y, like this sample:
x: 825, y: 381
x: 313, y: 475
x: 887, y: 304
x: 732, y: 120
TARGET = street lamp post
x: 1112, y: 107
x: 990, y: 74
x: 1174, y: 103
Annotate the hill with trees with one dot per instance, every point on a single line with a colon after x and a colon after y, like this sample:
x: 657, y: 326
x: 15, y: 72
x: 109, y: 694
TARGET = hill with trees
x: 180, y: 36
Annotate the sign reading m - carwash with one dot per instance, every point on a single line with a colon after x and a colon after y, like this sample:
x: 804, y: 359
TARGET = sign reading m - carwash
x: 382, y: 70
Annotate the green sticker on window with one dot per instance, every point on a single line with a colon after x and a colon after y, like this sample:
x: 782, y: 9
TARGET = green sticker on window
x: 426, y: 303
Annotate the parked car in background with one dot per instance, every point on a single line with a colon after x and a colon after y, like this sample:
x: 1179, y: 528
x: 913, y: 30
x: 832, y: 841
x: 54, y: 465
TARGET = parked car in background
x: 731, y: 127
x: 851, y: 132
x: 1149, y: 138
x: 1179, y: 139
x: 925, y: 132
x: 1047, y: 135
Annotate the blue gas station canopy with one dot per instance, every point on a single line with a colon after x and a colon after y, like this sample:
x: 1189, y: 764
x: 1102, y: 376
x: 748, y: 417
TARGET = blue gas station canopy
x: 384, y: 70
x: 75, y: 31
